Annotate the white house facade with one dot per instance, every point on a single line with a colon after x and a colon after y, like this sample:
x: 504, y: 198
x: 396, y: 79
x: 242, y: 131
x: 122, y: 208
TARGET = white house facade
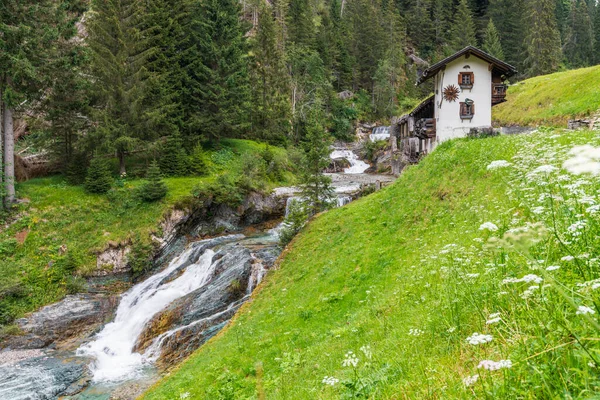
x: 466, y: 86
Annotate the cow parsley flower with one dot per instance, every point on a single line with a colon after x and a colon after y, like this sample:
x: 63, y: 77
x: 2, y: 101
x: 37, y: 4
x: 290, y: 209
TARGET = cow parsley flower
x: 493, y: 319
x: 330, y: 380
x: 581, y: 310
x: 478, y: 338
x: 366, y: 350
x: 527, y: 278
x: 415, y: 332
x: 470, y: 380
x: 498, y: 164
x: 488, y: 226
x: 544, y: 169
x: 185, y: 395
x: 553, y: 268
x: 350, y: 359
x: 568, y: 258
x: 495, y: 365
x: 585, y: 160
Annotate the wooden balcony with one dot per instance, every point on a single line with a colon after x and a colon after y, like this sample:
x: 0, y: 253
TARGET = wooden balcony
x: 498, y: 93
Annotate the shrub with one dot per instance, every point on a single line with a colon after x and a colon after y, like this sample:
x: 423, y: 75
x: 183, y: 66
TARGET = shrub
x: 197, y: 161
x: 295, y: 220
x: 154, y: 189
x: 140, y: 257
x: 98, y: 179
x: 253, y: 173
x: 8, y: 247
x: 225, y: 190
x: 173, y: 160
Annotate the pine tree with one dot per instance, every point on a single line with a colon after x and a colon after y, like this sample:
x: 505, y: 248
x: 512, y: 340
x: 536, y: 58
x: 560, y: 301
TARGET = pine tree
x: 463, y: 27
x: 316, y: 187
x: 154, y: 189
x: 218, y: 90
x: 301, y: 28
x: 29, y: 31
x: 173, y: 158
x: 580, y: 36
x: 597, y: 35
x: 508, y: 16
x: 491, y: 41
x: 543, y: 38
x: 98, y: 179
x: 442, y: 18
x: 271, y: 111
x: 421, y: 30
x: 120, y: 50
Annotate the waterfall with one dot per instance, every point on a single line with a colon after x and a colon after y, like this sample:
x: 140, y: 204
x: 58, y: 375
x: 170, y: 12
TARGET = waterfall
x: 112, y: 348
x: 357, y: 166
x: 343, y: 200
x: 380, y: 133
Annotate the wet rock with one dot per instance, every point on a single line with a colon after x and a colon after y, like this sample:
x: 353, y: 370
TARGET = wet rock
x: 42, y: 378
x: 188, y: 322
x: 113, y: 260
x: 338, y: 165
x: 74, y: 317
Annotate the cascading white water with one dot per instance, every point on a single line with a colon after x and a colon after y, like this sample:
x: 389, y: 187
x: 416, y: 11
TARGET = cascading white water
x: 112, y: 348
x: 357, y: 166
x: 380, y: 133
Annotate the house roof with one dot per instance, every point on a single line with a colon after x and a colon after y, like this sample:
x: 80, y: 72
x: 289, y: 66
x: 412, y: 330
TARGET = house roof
x: 499, y: 66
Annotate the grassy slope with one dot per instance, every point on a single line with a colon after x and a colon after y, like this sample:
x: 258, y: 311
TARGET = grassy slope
x: 59, y: 214
x: 378, y: 273
x: 551, y: 99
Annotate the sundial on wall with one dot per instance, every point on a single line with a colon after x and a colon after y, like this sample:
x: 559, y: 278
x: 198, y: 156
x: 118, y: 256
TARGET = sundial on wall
x: 451, y: 93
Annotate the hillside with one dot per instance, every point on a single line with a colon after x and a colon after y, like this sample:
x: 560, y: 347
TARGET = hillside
x: 458, y: 281
x: 551, y: 99
x: 59, y: 228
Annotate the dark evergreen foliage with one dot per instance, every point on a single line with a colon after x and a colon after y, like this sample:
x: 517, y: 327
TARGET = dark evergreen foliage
x: 173, y: 158
x: 99, y: 179
x: 154, y: 189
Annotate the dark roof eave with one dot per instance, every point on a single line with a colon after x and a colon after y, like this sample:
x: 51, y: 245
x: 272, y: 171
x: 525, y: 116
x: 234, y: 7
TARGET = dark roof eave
x: 506, y: 69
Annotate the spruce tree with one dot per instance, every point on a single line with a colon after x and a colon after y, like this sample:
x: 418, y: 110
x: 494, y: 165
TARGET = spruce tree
x: 491, y: 41
x: 597, y: 34
x: 420, y: 26
x: 98, y: 179
x: 271, y: 111
x: 580, y: 36
x: 217, y: 86
x: 463, y: 27
x: 301, y: 28
x: 173, y: 158
x: 120, y: 49
x: 509, y: 18
x: 154, y: 189
x: 543, y: 38
x: 316, y: 187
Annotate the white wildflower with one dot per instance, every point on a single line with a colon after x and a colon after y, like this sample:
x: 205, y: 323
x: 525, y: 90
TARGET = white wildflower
x: 472, y: 275
x: 350, y: 359
x: 488, y: 226
x: 185, y: 395
x: 581, y: 310
x: 493, y: 319
x: 544, y: 169
x: 498, y: 164
x: 553, y: 268
x: 568, y: 258
x: 527, y: 278
x: 366, y: 350
x: 495, y: 365
x: 478, y: 338
x: 330, y: 380
x: 451, y: 329
x: 584, y: 160
x: 415, y: 332
x: 529, y: 292
x: 538, y: 210
x: 470, y: 380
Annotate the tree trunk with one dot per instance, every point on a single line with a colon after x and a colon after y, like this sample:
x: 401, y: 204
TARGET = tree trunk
x: 122, y: 169
x: 9, y: 156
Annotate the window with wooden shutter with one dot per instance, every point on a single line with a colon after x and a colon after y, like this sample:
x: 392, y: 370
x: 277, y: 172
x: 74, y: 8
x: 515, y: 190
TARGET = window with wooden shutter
x: 466, y: 80
x: 467, y: 109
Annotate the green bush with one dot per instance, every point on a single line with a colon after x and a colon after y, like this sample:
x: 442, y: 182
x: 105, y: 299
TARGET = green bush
x: 140, y: 257
x: 8, y: 247
x: 154, y: 189
x: 75, y: 169
x: 197, y: 161
x: 293, y: 223
x: 98, y: 179
x: 225, y: 190
x: 252, y: 173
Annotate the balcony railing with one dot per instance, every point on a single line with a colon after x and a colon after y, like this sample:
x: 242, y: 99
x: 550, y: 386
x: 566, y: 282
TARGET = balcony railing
x: 498, y: 93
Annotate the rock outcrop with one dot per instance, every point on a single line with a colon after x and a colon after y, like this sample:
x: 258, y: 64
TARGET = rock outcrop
x: 74, y: 317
